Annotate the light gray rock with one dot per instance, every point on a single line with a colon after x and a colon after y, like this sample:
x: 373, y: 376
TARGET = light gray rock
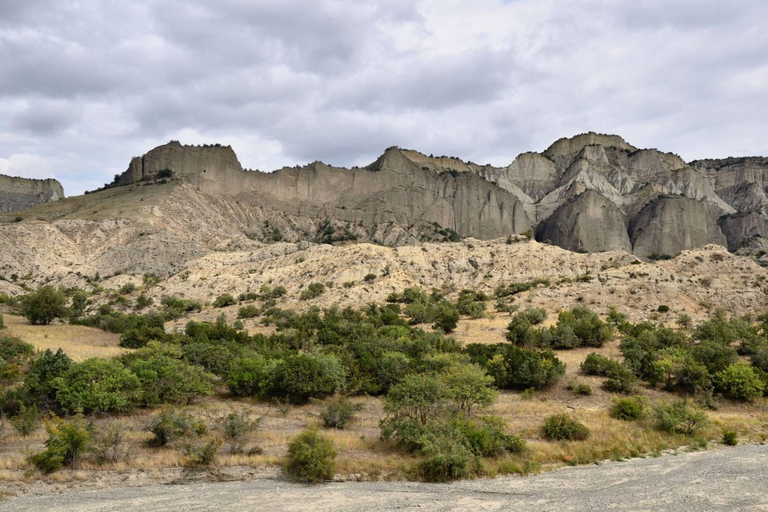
x: 19, y: 193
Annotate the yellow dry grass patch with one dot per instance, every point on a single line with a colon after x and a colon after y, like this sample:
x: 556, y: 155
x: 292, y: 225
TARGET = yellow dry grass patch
x: 79, y: 342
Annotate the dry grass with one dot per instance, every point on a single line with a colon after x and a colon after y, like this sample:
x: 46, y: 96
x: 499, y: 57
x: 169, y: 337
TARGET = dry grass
x: 79, y: 342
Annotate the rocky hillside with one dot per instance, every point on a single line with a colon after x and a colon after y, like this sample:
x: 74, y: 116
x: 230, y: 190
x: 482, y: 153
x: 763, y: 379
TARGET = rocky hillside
x: 590, y: 193
x: 20, y: 193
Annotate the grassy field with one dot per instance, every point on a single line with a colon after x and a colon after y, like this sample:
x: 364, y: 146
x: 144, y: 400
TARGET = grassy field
x: 79, y: 342
x: 362, y: 454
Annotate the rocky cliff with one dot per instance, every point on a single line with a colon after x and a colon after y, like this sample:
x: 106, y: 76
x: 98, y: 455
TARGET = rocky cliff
x: 20, y: 193
x: 591, y: 192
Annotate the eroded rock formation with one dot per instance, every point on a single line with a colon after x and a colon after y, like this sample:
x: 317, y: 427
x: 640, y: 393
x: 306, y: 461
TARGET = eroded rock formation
x: 19, y: 193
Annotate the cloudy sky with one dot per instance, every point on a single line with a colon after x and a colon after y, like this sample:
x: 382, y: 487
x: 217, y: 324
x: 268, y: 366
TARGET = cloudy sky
x: 87, y: 84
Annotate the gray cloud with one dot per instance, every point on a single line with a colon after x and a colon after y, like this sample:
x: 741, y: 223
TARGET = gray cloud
x: 84, y: 89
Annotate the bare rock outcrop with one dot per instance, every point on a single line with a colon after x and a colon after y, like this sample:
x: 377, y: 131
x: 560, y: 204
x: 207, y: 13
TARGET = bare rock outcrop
x: 20, y: 193
x: 590, y: 222
x: 671, y: 224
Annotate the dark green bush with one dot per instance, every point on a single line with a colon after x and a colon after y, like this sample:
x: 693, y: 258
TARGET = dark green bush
x: 44, y: 305
x: 517, y: 368
x: 311, y: 457
x: 14, y: 355
x: 446, y: 458
x: 620, y: 379
x: 730, y: 438
x: 338, y: 412
x: 715, y: 356
x: 127, y: 288
x: 563, y: 427
x: 312, y: 291
x: 301, y: 376
x: 582, y: 389
x: 487, y: 437
x: 224, y: 300
x: 39, y: 382
x: 630, y: 408
x: 447, y: 319
x: 249, y: 376
x: 139, y: 337
x: 248, y: 312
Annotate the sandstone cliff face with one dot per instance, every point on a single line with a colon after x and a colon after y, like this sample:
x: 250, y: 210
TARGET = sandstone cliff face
x: 186, y: 161
x: 591, y: 192
x: 671, y: 224
x: 589, y: 222
x: 20, y: 193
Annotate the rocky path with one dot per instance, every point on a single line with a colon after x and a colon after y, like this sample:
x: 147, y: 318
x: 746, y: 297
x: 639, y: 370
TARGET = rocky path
x: 720, y: 479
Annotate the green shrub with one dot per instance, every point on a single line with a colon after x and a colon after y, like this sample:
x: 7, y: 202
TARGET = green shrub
x: 630, y: 408
x: 127, y: 288
x: 740, y: 381
x: 200, y: 452
x: 137, y: 338
x: 410, y: 406
x: 164, y: 378
x: 563, y: 427
x: 715, y: 356
x: 582, y: 389
x: 237, y: 429
x: 487, y: 437
x: 663, y: 308
x: 338, y: 412
x: 446, y: 458
x: 44, y: 305
x: 171, y: 425
x: 447, y: 319
x: 2, y: 323
x: 26, y: 421
x: 369, y: 278
x: 312, y: 291
x: 67, y: 441
x: 517, y: 368
x: 311, y: 457
x: 224, y: 300
x: 14, y: 355
x: 679, y: 416
x: 248, y: 312
x: 143, y: 302
x: 39, y: 382
x: 620, y: 379
x: 301, y: 376
x: 97, y: 385
x: 249, y: 375
x: 730, y: 438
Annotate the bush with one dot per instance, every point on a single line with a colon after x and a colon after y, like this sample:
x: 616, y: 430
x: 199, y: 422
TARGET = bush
x: 663, y: 308
x: 97, y: 385
x: 248, y: 312
x: 487, y: 437
x: 620, y: 379
x: 237, y: 429
x: 447, y: 319
x: 582, y: 389
x: 39, y: 381
x: 137, y: 338
x: 680, y: 417
x: 730, y: 438
x: 311, y: 457
x: 249, y: 375
x: 446, y: 459
x: 26, y: 421
x: 224, y: 300
x: 127, y: 288
x: 200, y: 452
x: 740, y: 381
x: 303, y: 376
x: 142, y: 302
x: 14, y: 354
x: 338, y: 412
x: 369, y: 278
x: 314, y: 290
x: 562, y: 427
x: 171, y: 425
x: 517, y: 368
x: 2, y: 324
x: 630, y: 408
x: 44, y: 305
x: 67, y: 441
x: 108, y: 442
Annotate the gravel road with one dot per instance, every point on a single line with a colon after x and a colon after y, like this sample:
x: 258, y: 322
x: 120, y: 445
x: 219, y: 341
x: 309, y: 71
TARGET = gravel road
x: 719, y: 479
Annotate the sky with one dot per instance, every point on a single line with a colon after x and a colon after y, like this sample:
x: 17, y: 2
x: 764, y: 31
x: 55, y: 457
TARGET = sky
x: 87, y: 84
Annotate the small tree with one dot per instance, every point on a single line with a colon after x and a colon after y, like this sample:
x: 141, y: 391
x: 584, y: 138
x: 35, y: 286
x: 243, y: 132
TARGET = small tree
x: 237, y: 429
x: 44, y: 305
x: 447, y: 319
x: 469, y: 386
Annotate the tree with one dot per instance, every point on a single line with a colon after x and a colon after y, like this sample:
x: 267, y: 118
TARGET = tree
x: 418, y: 398
x: 469, y: 386
x: 447, y: 319
x: 44, y: 305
